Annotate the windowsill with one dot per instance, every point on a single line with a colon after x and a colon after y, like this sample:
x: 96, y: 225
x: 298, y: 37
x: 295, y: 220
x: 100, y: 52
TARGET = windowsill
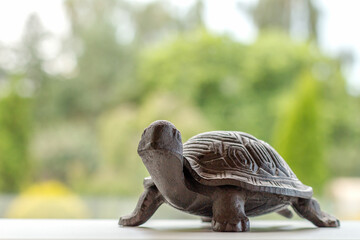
x: 168, y: 229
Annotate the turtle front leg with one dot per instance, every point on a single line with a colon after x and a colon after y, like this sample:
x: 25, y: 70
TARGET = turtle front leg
x: 149, y: 201
x: 310, y: 209
x: 228, y: 211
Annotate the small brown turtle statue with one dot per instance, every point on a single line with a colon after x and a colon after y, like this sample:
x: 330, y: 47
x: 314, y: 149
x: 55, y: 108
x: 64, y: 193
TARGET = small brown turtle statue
x: 223, y: 176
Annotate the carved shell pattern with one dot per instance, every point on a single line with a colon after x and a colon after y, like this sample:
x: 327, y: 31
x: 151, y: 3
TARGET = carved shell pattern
x: 237, y: 158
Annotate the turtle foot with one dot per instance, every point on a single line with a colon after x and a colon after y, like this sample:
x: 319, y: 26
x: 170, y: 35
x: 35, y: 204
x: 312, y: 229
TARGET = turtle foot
x: 129, y: 220
x: 149, y: 201
x: 328, y: 221
x: 242, y: 226
x: 310, y: 209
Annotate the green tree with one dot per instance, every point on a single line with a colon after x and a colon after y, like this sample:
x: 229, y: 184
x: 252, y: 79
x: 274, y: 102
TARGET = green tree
x: 236, y: 86
x: 294, y: 17
x: 106, y: 50
x: 299, y: 135
x: 31, y: 64
x: 15, y: 127
x: 103, y: 62
x: 199, y: 67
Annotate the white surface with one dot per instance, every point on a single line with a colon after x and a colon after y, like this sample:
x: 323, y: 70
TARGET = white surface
x: 168, y: 229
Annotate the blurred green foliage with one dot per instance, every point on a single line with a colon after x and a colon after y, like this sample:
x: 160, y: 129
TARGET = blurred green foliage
x: 229, y: 80
x: 15, y: 129
x: 299, y: 136
x: 136, y: 63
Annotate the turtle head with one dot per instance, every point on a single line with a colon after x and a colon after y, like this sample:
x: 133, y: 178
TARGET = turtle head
x: 161, y: 151
x: 161, y: 135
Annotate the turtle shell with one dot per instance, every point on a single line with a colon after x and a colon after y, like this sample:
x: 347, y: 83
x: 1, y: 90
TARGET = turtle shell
x: 236, y: 158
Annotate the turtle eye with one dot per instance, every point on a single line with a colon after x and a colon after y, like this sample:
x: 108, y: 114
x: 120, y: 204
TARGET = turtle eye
x: 176, y: 134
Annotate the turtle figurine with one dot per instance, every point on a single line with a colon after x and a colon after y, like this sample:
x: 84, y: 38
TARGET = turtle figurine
x: 222, y: 176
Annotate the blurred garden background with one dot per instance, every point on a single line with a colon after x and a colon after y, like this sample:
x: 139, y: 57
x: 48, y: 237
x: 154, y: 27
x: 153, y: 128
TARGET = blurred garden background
x: 73, y: 105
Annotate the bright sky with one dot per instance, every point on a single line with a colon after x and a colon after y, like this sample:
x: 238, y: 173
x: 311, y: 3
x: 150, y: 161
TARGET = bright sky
x: 338, y: 24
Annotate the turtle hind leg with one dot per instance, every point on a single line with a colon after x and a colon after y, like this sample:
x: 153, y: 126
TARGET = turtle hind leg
x: 229, y: 211
x: 149, y: 201
x: 285, y: 212
x: 206, y: 219
x: 310, y: 209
